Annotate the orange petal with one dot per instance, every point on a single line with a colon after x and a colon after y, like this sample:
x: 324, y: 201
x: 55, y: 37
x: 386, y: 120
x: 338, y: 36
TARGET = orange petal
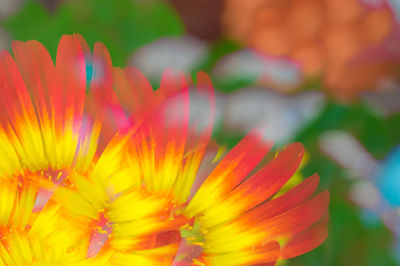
x: 14, y: 95
x: 37, y: 70
x: 232, y: 169
x: 298, y: 219
x: 306, y: 241
x: 71, y: 75
x: 289, y: 200
x: 257, y: 188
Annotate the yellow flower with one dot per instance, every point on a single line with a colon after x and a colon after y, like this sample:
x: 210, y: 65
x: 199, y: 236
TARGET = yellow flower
x: 97, y: 169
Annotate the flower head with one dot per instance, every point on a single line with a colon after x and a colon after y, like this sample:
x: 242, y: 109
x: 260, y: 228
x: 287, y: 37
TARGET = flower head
x: 99, y: 169
x: 345, y: 42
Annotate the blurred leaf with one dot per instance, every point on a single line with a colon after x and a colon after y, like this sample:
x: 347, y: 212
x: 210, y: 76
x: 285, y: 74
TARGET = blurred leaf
x: 122, y: 25
x: 356, y: 119
x: 219, y: 49
x: 393, y: 125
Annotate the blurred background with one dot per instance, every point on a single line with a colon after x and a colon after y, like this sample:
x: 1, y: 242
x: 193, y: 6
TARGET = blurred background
x: 323, y: 72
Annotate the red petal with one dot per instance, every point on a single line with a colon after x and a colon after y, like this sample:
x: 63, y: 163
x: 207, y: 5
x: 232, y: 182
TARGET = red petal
x: 133, y: 90
x: 298, y: 219
x: 287, y: 201
x: 256, y: 189
x: 305, y: 241
x: 37, y: 69
x: 232, y: 169
x: 101, y: 83
x: 71, y: 77
x: 14, y: 95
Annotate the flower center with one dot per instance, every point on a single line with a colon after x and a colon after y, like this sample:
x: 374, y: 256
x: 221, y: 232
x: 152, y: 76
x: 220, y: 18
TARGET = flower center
x: 100, y: 234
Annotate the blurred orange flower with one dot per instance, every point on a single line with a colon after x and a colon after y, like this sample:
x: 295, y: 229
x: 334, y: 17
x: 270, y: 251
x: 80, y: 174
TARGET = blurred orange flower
x: 332, y: 38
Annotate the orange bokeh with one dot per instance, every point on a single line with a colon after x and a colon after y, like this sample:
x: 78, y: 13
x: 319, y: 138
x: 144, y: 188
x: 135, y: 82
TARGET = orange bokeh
x: 326, y: 37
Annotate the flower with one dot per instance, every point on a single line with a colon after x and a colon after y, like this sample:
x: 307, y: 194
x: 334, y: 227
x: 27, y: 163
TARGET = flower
x: 48, y: 141
x: 97, y: 169
x: 346, y: 42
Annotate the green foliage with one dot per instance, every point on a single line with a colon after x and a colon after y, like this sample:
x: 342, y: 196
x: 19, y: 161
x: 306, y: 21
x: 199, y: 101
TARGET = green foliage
x: 122, y: 25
